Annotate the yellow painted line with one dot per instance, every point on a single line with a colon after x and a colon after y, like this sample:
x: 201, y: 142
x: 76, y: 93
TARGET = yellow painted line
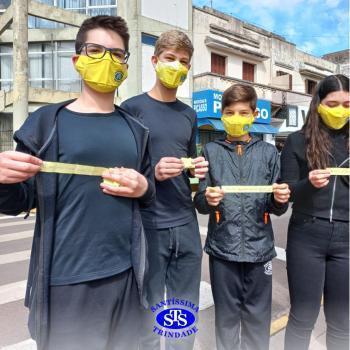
x: 278, y: 325
x: 281, y: 323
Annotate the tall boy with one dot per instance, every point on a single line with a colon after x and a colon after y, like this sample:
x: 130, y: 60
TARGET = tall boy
x: 240, y: 240
x: 88, y: 260
x: 171, y: 226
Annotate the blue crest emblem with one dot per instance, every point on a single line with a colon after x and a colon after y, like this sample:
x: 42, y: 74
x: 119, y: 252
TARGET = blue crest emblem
x: 118, y: 76
x: 175, y: 318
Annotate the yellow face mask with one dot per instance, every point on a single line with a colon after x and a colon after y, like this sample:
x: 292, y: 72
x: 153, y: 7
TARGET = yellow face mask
x: 237, y: 125
x: 101, y: 74
x: 334, y: 117
x: 171, y: 74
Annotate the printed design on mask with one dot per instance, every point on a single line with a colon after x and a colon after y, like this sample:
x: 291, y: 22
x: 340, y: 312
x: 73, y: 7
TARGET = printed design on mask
x: 118, y: 76
x: 103, y: 75
x: 237, y: 125
x: 268, y: 268
x: 171, y: 74
x: 183, y: 78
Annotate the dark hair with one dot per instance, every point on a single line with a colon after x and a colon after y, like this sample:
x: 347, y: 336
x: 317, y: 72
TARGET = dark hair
x: 318, y: 143
x: 239, y: 93
x: 114, y: 23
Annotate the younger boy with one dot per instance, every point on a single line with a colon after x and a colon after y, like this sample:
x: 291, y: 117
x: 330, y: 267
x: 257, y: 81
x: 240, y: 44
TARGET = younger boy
x: 240, y: 240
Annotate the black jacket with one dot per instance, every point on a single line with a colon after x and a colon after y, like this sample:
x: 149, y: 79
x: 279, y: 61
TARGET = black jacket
x: 38, y: 136
x: 241, y: 234
x: 330, y: 202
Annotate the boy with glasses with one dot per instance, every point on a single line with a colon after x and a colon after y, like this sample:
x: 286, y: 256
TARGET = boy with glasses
x: 88, y: 257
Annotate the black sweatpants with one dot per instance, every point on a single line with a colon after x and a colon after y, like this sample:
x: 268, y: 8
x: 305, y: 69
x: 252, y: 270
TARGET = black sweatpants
x: 175, y: 258
x: 242, y: 295
x: 318, y: 262
x: 96, y: 315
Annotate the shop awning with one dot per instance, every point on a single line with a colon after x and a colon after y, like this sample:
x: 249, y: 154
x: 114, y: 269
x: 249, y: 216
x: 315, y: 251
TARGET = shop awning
x: 256, y: 128
x: 263, y: 129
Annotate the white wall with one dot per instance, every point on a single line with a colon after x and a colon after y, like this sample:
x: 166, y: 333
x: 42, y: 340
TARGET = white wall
x: 284, y: 127
x: 148, y: 73
x: 173, y: 12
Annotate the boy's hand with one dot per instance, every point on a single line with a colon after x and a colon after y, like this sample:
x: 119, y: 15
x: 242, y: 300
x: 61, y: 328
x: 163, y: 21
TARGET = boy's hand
x: 201, y: 167
x: 17, y: 167
x: 168, y: 167
x: 130, y: 183
x: 281, y: 193
x: 214, y: 195
x: 319, y: 178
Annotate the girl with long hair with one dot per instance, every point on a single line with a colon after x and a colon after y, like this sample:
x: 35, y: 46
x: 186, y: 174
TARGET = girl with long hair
x: 318, y: 232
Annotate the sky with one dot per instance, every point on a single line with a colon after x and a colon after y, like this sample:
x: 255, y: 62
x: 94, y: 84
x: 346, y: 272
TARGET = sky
x: 315, y: 26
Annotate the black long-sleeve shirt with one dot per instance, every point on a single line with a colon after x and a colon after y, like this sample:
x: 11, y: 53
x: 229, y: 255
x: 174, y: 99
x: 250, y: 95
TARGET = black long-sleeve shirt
x: 330, y: 202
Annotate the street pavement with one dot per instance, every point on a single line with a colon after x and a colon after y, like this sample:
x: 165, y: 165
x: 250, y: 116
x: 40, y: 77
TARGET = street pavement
x: 15, y: 245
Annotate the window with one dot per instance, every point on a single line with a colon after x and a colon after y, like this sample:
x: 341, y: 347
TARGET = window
x: 218, y: 64
x: 248, y: 71
x: 148, y: 39
x: 280, y: 73
x: 292, y: 119
x: 310, y: 86
x: 50, y: 67
x: 4, y: 4
x: 86, y: 7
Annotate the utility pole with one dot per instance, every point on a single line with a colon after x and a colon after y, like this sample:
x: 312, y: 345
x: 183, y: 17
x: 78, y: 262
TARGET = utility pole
x: 20, y: 62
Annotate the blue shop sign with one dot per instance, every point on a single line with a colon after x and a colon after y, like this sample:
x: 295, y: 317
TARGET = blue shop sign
x: 207, y: 104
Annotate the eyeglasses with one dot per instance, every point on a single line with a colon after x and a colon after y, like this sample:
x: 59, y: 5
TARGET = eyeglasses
x: 98, y: 51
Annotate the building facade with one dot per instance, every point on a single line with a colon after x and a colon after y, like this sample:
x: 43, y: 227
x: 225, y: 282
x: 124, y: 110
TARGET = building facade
x: 229, y: 51
x: 52, y: 29
x: 342, y: 59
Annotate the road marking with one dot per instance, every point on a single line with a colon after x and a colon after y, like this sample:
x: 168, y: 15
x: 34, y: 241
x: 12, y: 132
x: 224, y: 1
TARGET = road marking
x: 278, y: 325
x: 14, y: 257
x: 205, y: 296
x: 28, y: 344
x: 281, y: 253
x: 17, y: 223
x: 12, y: 292
x: 203, y: 230
x: 15, y: 236
x: 4, y: 217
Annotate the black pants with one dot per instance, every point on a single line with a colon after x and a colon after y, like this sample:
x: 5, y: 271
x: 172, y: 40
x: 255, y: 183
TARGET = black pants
x: 242, y: 295
x: 317, y: 262
x: 175, y: 257
x: 97, y: 315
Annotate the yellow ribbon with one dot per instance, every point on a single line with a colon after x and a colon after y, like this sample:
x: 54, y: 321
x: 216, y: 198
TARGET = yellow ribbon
x: 244, y: 189
x: 75, y: 169
x: 187, y: 163
x: 339, y: 171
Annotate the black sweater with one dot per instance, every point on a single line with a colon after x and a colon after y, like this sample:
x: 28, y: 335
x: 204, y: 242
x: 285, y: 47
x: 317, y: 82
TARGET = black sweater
x: 330, y: 202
